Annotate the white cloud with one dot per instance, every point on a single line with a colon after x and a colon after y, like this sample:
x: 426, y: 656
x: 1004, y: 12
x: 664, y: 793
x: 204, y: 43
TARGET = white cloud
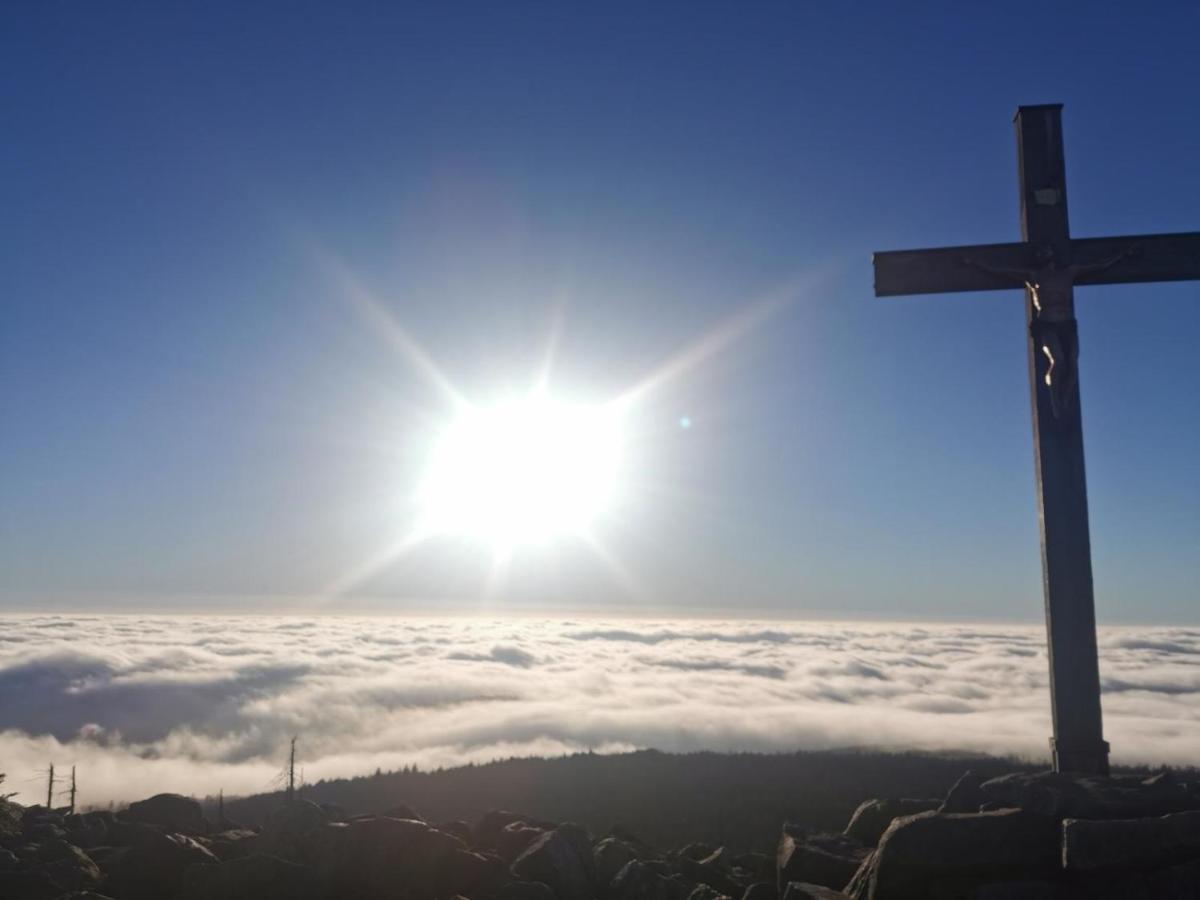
x: 194, y: 704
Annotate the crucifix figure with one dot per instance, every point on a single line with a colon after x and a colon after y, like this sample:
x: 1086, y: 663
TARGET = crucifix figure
x: 1049, y: 264
x: 1053, y: 328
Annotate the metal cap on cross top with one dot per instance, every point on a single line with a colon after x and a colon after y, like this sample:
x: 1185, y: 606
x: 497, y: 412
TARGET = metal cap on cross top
x: 1048, y: 264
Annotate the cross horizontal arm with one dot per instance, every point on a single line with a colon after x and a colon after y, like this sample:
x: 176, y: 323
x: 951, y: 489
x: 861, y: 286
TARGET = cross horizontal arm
x: 949, y: 269
x: 1147, y: 257
x: 997, y: 267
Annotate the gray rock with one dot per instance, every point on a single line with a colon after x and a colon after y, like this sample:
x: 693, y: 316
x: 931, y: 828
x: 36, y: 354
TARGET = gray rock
x: 476, y: 875
x: 798, y: 890
x: 609, y: 857
x: 621, y: 833
x: 954, y: 853
x: 640, y: 880
x: 68, y: 867
x: 234, y: 843
x: 707, y: 892
x: 562, y: 860
x: 8, y: 860
x: 173, y: 812
x: 965, y: 795
x: 297, y: 817
x: 293, y: 831
x: 859, y: 886
x: 824, y: 859
x: 754, y: 866
x: 44, y: 831
x: 382, y: 858
x: 402, y: 811
x: 460, y: 830
x: 515, y: 838
x: 712, y: 870
x: 87, y: 832
x: 108, y: 858
x: 154, y: 869
x: 255, y: 877
x: 697, y: 850
x: 487, y: 830
x: 871, y: 819
x: 1146, y: 843
x: 1064, y: 796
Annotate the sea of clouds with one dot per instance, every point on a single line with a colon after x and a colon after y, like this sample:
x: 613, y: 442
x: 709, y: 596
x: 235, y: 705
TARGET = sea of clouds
x: 195, y: 704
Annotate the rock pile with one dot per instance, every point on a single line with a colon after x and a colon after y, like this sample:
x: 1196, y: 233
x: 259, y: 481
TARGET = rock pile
x: 1042, y: 836
x: 163, y: 849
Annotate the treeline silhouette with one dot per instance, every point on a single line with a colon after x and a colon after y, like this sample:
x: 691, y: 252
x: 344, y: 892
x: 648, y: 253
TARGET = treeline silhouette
x: 739, y: 800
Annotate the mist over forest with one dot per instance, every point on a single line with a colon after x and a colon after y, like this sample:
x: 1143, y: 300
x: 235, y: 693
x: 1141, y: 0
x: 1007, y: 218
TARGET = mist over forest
x: 201, y: 704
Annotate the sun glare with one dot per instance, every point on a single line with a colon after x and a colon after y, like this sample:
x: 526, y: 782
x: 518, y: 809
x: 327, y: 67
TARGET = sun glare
x: 522, y: 471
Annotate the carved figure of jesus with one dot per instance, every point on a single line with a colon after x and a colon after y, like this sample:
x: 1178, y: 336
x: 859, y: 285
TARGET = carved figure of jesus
x: 1054, y: 327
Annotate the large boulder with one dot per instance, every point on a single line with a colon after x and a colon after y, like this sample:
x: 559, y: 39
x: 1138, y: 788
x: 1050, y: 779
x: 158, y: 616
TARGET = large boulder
x: 641, y: 880
x: 964, y: 795
x: 154, y: 868
x: 950, y: 854
x: 172, y: 812
x: 825, y: 859
x: 460, y: 830
x: 711, y: 870
x: 487, y: 830
x: 389, y: 858
x: 88, y: 830
x: 480, y: 876
x: 254, y: 877
x: 609, y: 857
x: 697, y: 850
x: 68, y: 867
x: 291, y: 831
x: 1147, y: 843
x: 1063, y: 796
x: 562, y: 859
x: 754, y: 866
x: 403, y: 811
x: 872, y: 817
x: 515, y: 838
x: 234, y: 843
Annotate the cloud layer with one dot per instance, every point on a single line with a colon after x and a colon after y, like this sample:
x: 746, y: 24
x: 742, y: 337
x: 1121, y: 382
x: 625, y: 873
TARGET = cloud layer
x: 196, y: 704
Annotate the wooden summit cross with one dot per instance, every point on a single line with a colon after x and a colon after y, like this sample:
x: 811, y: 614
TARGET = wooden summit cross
x: 1048, y: 263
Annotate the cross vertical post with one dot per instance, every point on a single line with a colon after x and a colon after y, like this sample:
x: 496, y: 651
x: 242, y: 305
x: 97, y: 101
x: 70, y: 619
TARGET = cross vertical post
x: 1049, y: 263
x: 1078, y: 744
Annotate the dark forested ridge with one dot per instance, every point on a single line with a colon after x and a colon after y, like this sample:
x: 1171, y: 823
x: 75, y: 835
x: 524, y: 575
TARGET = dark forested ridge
x: 737, y: 800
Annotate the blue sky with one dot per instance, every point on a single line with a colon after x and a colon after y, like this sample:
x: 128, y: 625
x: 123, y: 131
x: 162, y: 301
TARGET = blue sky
x: 193, y: 415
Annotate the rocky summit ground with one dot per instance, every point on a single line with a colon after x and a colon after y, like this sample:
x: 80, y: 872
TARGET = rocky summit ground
x: 1039, y: 835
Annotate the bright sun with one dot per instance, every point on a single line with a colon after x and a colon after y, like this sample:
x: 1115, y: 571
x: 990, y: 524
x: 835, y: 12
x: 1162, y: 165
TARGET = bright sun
x: 522, y: 471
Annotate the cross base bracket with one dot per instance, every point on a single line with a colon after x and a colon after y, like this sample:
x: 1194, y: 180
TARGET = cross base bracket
x: 1080, y: 757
